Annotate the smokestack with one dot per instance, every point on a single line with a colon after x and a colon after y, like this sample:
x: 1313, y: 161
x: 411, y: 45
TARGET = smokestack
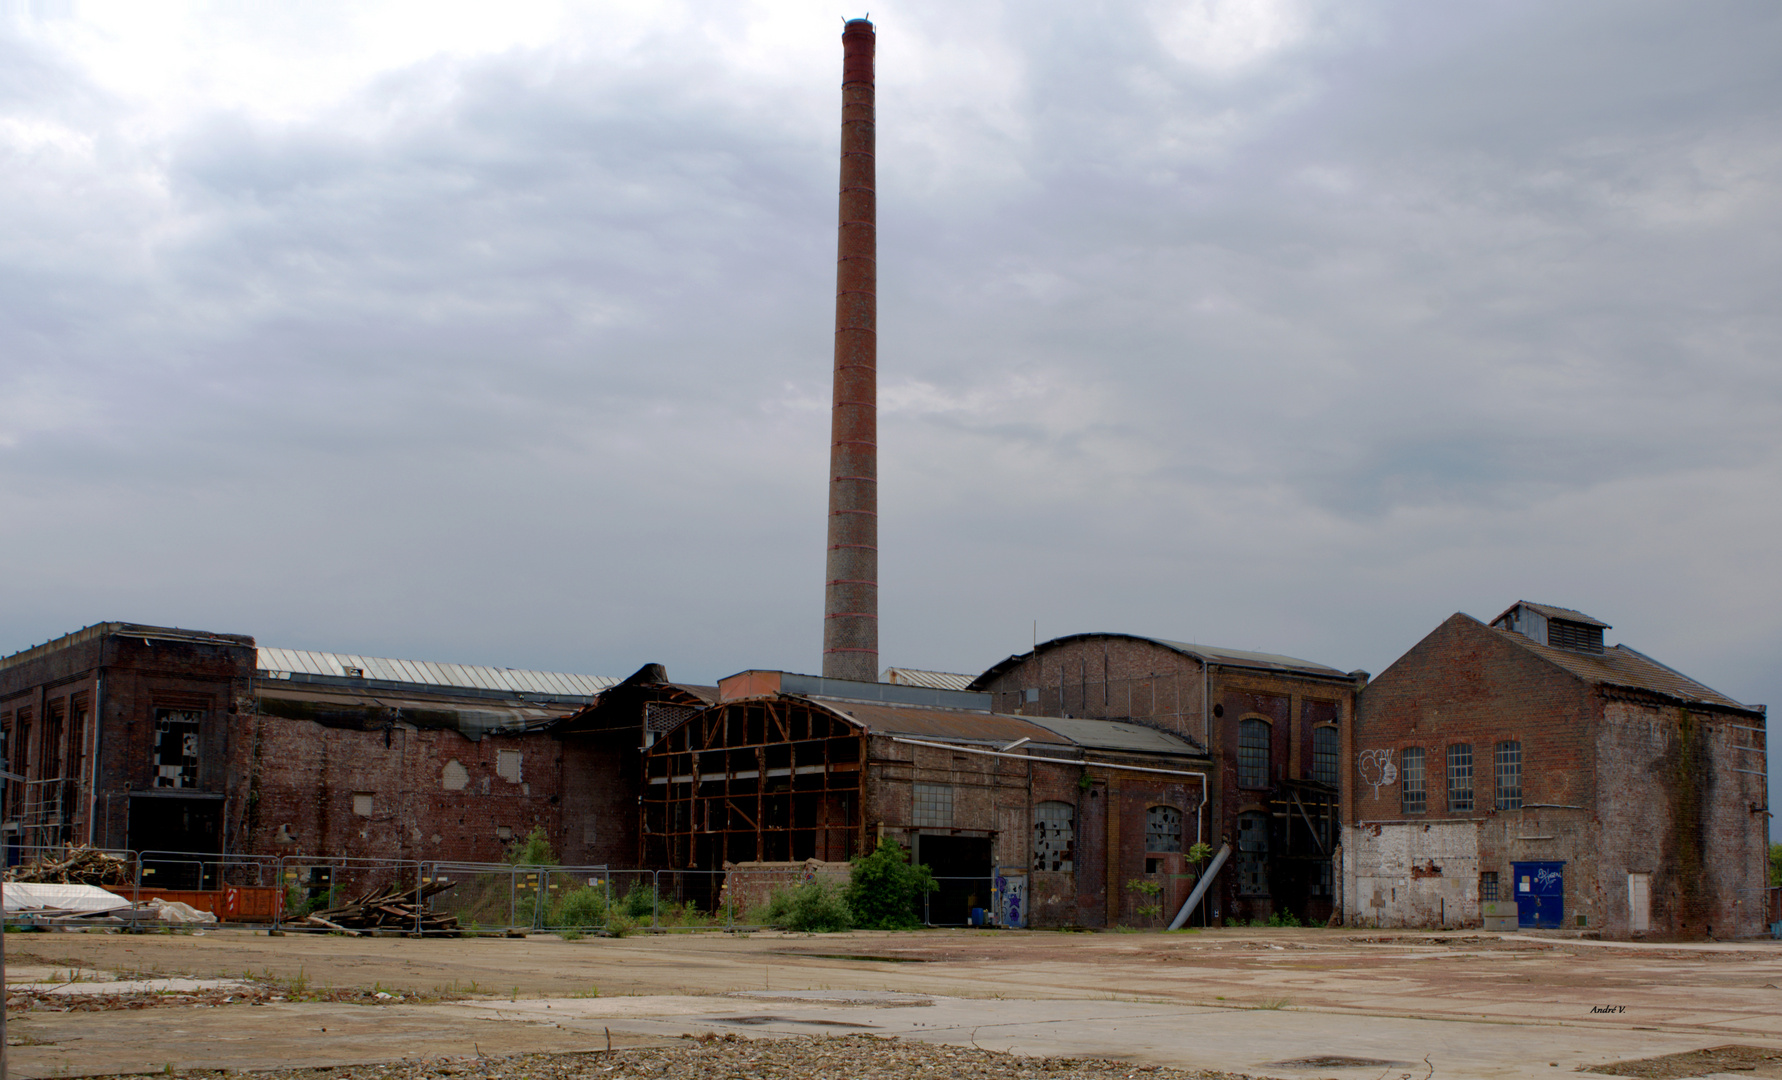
x: 851, y: 592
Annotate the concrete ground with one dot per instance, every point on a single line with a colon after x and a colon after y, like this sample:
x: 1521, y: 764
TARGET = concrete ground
x: 1265, y: 1002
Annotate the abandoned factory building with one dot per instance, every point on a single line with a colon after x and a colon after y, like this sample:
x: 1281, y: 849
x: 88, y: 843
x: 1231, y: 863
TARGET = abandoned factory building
x: 1526, y: 770
x: 156, y: 739
x: 1039, y: 821
x: 1271, y: 726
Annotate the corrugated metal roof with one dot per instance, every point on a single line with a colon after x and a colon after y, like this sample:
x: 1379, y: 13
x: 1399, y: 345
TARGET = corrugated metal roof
x: 939, y: 680
x: 1115, y: 735
x: 1554, y: 612
x: 424, y: 673
x: 1622, y: 666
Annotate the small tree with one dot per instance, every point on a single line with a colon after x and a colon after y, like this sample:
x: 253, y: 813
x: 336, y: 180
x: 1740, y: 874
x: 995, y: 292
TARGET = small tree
x: 1776, y: 864
x: 883, y: 888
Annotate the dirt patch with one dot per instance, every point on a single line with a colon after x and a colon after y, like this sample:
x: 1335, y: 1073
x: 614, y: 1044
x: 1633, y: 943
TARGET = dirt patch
x: 720, y: 1058
x: 1752, y: 1060
x: 1337, y: 1061
x: 21, y: 1001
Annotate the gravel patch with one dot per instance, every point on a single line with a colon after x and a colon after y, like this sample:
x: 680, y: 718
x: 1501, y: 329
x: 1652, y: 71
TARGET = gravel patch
x: 730, y: 1057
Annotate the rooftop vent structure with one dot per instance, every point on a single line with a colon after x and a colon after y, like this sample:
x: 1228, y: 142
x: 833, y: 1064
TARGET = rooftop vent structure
x: 1561, y: 628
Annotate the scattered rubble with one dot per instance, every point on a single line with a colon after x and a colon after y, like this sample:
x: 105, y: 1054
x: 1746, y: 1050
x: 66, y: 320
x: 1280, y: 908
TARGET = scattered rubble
x: 393, y: 908
x: 857, y: 1057
x: 77, y: 865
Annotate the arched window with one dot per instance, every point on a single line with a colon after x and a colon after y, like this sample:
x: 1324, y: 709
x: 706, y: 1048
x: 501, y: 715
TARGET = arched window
x: 1163, y: 829
x: 1054, y: 837
x: 1252, y: 855
x: 1324, y: 755
x: 1253, y: 738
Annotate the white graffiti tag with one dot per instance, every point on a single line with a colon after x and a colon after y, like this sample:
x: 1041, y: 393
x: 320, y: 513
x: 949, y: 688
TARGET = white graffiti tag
x: 1377, y: 769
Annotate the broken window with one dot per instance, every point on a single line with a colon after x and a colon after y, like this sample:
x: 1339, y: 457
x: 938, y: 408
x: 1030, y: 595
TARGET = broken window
x: 1054, y: 837
x: 933, y: 807
x: 1252, y: 855
x: 1509, y: 776
x: 1460, y: 776
x: 1163, y: 829
x: 1253, y: 739
x: 1324, y: 755
x: 1488, y: 886
x: 1412, y: 795
x: 176, y: 747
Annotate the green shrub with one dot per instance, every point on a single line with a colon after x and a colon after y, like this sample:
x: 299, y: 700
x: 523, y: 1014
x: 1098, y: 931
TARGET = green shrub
x: 816, y: 907
x: 580, y: 907
x: 621, y: 925
x: 639, y: 901
x: 1284, y: 918
x: 534, y: 850
x: 884, y: 889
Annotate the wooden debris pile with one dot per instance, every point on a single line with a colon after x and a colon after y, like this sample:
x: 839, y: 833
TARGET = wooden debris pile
x: 393, y: 908
x: 77, y: 865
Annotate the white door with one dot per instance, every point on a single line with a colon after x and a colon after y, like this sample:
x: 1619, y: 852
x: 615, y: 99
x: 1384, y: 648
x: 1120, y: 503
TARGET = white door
x: 1639, y: 902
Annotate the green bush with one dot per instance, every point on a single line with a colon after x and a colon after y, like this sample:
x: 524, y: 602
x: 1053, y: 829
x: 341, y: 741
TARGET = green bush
x: 534, y: 850
x: 1284, y: 918
x: 580, y: 907
x: 639, y: 902
x: 884, y: 889
x: 816, y: 907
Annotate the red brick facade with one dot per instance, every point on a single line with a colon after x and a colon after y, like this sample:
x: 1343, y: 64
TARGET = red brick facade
x: 1626, y: 789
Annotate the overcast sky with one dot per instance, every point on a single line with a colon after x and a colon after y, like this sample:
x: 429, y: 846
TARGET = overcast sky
x: 501, y: 333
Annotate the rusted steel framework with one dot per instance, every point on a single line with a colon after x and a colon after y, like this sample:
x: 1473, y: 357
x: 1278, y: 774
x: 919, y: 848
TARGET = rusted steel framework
x: 851, y: 588
x: 754, y: 781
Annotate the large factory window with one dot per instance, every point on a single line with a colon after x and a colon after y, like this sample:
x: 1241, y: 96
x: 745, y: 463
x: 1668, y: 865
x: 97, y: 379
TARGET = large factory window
x: 1253, y: 747
x: 176, y: 747
x: 1324, y: 755
x: 1054, y: 837
x: 1163, y: 829
x: 1413, y: 797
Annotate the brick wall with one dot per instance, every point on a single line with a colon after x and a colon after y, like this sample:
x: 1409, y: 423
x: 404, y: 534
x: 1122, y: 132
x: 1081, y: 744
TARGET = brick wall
x: 407, y: 793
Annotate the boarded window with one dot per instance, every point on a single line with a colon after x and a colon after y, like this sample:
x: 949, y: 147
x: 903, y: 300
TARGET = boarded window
x: 1413, y: 797
x: 1252, y: 855
x: 1324, y: 755
x: 933, y: 806
x: 1488, y: 886
x: 1460, y: 776
x: 362, y: 803
x: 1253, y: 753
x: 1509, y: 776
x: 176, y: 747
x: 1163, y: 829
x: 507, y: 765
x: 1563, y: 634
x: 1054, y: 837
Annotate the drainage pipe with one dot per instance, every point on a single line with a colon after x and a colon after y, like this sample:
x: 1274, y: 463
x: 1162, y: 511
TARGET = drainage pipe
x: 1200, y: 887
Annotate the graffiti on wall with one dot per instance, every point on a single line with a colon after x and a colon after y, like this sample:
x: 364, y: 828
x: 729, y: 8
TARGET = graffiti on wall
x: 1376, y: 769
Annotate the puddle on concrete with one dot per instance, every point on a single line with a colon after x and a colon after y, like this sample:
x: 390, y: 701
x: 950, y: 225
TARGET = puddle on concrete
x: 1336, y: 1061
x: 789, y: 1020
x: 859, y: 956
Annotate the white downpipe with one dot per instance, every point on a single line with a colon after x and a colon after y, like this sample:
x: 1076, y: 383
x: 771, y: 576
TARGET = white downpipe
x: 1200, y: 888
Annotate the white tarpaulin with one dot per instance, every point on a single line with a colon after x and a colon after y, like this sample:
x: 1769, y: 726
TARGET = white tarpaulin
x: 23, y: 896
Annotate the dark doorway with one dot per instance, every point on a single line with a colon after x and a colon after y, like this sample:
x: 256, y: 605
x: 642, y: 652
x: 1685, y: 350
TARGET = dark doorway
x: 163, y: 823
x: 961, y: 867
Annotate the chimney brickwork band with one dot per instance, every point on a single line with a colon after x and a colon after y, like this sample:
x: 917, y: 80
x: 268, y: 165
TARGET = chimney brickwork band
x: 851, y: 589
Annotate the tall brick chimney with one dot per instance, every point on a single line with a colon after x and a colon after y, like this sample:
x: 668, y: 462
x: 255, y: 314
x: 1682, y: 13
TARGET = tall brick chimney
x: 851, y: 591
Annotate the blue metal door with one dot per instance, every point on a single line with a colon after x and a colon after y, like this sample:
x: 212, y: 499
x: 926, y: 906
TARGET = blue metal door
x: 1540, y: 894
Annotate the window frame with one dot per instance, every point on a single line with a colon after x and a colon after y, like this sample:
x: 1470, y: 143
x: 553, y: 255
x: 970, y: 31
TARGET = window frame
x: 1334, y: 756
x: 1152, y: 821
x: 1246, y: 762
x: 1407, y: 793
x: 1508, y: 796
x: 1462, y: 798
x: 1067, y: 826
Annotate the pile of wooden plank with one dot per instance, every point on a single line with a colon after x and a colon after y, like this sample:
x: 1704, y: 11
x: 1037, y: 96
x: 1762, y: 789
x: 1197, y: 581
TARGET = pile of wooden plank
x: 78, y: 865
x: 391, y: 909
